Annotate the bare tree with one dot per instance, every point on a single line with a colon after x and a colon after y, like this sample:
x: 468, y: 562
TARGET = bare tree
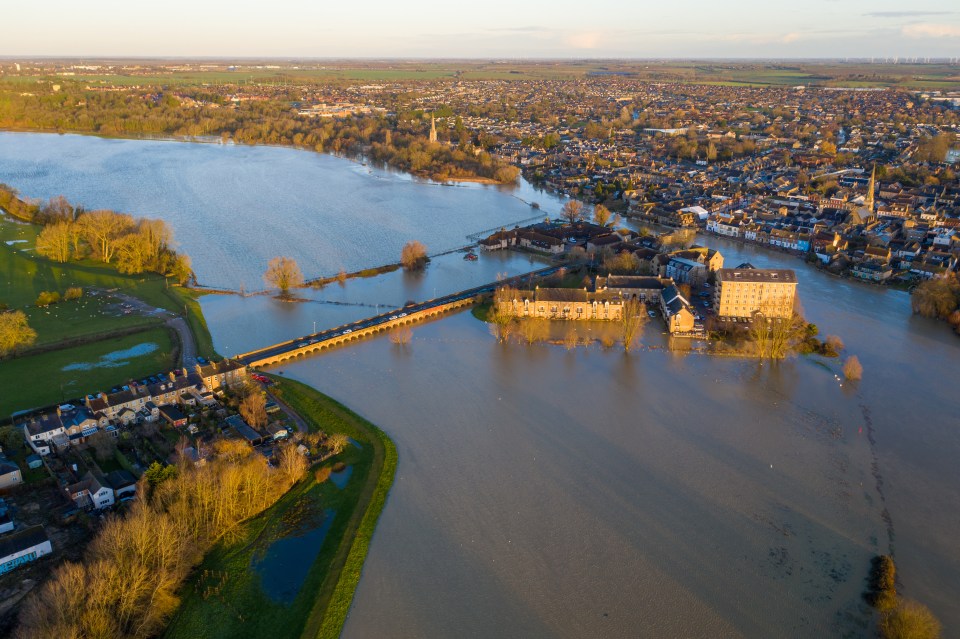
x: 776, y: 337
x: 401, y: 336
x: 253, y: 408
x: 15, y: 333
x: 283, y: 273
x: 55, y: 242
x: 572, y: 211
x: 601, y: 214
x: 337, y: 442
x: 501, y: 313
x: 632, y: 320
x: 534, y: 329
x: 413, y: 256
x: 852, y: 368
x: 103, y: 230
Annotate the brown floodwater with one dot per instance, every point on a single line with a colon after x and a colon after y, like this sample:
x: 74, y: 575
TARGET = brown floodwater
x: 543, y: 492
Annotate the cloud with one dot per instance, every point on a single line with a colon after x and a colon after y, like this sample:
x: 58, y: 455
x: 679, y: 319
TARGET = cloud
x: 518, y: 29
x: 931, y: 30
x: 906, y: 14
x: 584, y: 40
x: 790, y: 37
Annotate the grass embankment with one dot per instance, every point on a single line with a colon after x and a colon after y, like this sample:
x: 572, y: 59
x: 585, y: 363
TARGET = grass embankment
x: 240, y: 607
x: 39, y: 380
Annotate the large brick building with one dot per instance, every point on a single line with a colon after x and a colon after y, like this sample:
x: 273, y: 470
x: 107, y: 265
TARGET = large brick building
x: 742, y: 292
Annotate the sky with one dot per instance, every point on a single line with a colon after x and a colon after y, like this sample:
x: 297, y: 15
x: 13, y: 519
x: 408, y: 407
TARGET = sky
x: 484, y: 28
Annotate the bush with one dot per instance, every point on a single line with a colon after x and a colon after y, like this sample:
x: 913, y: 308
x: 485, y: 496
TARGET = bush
x: 414, y: 255
x: 852, y: 369
x: 834, y: 343
x: 882, y: 592
x: 322, y: 474
x: 46, y: 298
x: 73, y: 293
x: 909, y: 620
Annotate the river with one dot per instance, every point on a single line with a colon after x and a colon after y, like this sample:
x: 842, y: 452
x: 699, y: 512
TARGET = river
x: 551, y: 493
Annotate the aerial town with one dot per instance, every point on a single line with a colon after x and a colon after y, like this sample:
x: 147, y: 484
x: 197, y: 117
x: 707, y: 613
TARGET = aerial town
x: 696, y: 201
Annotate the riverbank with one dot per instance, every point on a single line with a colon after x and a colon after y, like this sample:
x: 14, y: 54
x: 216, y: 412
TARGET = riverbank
x: 240, y: 590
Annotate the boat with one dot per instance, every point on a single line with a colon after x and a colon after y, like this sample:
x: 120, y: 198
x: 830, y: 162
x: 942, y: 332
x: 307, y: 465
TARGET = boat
x: 471, y: 257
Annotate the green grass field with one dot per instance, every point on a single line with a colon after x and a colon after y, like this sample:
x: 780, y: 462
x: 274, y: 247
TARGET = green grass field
x: 24, y: 275
x: 39, y: 380
x: 240, y: 608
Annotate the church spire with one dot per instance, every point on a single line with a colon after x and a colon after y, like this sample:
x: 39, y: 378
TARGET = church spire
x: 433, y: 129
x: 868, y: 201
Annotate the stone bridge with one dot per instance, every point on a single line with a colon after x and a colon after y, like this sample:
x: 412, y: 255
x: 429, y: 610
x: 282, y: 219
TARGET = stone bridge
x: 410, y: 314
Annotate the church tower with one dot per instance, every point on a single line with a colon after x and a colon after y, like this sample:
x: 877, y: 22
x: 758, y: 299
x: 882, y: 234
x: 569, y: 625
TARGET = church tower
x: 868, y: 201
x: 433, y: 129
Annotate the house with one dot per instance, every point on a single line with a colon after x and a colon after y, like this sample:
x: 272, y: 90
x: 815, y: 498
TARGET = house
x: 23, y: 547
x: 741, y: 292
x: 173, y: 416
x: 872, y: 270
x: 122, y: 483
x: 677, y: 312
x: 685, y: 271
x: 91, y: 492
x: 564, y: 304
x: 9, y: 474
x: 225, y: 373
x: 42, y: 429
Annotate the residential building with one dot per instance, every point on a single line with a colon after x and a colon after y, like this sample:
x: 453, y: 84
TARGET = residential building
x: 677, y: 312
x: 742, y: 292
x: 225, y: 373
x: 565, y: 304
x: 23, y: 547
x: 91, y: 492
x: 9, y: 474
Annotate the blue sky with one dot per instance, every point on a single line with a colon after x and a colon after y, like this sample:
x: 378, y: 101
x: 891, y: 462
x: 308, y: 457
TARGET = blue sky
x: 484, y: 28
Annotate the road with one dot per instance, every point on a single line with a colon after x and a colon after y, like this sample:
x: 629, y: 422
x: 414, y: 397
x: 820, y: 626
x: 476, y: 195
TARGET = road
x: 315, y: 338
x: 188, y: 345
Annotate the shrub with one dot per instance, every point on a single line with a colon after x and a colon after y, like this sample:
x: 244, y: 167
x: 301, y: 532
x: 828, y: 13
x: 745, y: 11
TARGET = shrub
x: 834, y: 342
x: 46, y: 298
x: 414, y: 255
x: 909, y: 620
x: 322, y: 474
x: 852, y: 369
x: 73, y: 293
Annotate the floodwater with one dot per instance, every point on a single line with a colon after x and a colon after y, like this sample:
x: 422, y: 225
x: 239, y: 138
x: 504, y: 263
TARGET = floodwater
x: 284, y: 565
x: 235, y: 207
x: 114, y: 359
x: 551, y: 493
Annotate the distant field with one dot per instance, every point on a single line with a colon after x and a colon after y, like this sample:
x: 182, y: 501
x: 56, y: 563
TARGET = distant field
x: 827, y: 73
x: 39, y: 380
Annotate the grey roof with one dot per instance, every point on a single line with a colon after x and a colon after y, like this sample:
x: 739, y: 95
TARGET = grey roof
x: 771, y: 275
x: 19, y: 541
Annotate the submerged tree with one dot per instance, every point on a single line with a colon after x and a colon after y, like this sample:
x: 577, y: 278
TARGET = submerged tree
x: 632, y: 320
x: 283, y: 273
x: 413, y: 256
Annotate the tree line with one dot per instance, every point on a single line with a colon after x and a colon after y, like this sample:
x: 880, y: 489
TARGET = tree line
x: 397, y: 140
x: 132, y: 245
x: 127, y: 584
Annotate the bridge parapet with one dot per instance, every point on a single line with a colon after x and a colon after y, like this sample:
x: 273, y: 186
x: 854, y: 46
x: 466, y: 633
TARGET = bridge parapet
x: 266, y: 357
